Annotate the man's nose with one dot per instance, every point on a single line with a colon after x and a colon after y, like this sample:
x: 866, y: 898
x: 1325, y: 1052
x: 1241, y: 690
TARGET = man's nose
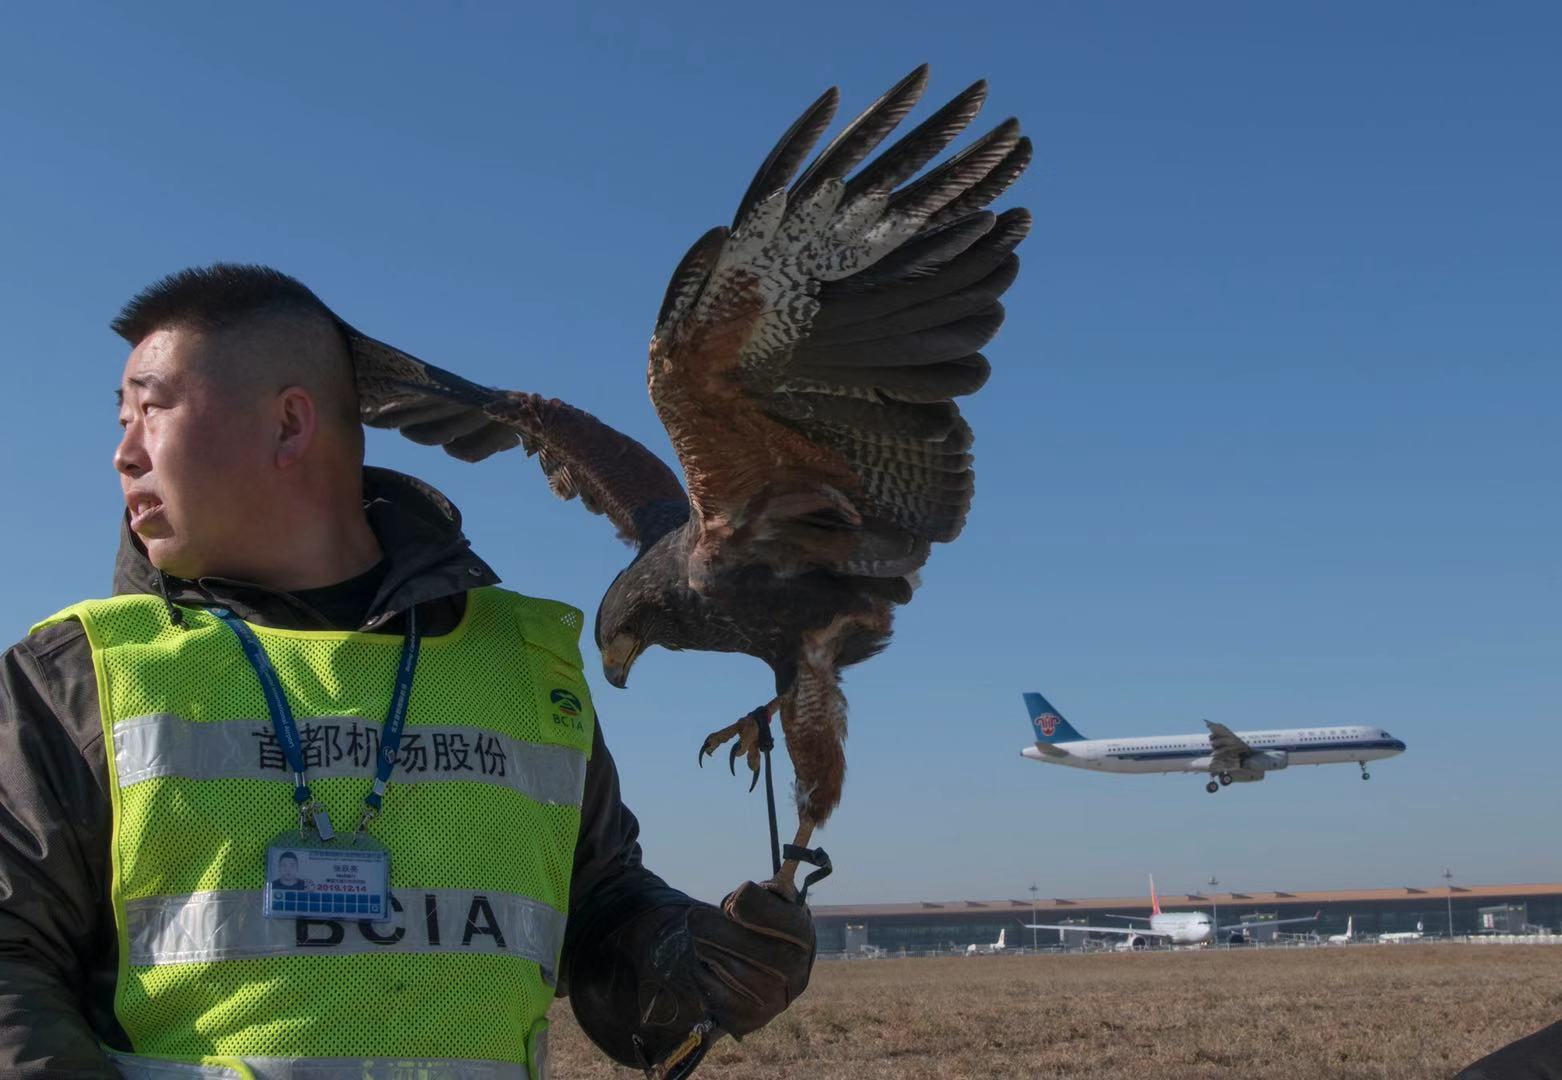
x: 130, y: 455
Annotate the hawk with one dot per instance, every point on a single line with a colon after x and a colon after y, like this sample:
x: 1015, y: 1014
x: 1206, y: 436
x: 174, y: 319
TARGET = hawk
x: 805, y: 363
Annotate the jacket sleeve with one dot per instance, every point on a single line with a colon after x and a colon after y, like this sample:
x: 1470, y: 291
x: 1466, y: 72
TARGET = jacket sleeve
x: 1534, y: 1057
x: 610, y: 886
x: 57, y: 938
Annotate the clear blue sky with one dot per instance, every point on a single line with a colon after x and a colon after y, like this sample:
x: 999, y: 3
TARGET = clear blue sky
x: 1271, y: 437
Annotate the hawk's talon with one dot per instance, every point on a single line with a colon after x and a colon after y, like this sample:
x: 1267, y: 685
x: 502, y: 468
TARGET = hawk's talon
x: 753, y: 740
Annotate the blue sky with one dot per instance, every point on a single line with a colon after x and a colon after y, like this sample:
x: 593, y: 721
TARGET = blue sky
x: 1270, y: 438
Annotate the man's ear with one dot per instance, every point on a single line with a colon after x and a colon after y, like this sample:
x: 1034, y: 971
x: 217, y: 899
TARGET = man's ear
x: 297, y: 422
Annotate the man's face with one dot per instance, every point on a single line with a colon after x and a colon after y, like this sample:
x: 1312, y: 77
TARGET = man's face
x: 196, y: 458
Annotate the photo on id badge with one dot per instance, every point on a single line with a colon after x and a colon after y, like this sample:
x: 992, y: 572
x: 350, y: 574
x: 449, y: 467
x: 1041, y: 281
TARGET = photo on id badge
x: 284, y: 873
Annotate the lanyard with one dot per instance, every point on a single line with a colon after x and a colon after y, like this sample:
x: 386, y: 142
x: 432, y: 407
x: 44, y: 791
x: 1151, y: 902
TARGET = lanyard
x: 286, y: 727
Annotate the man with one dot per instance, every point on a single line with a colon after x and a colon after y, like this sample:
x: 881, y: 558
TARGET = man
x: 287, y: 873
x: 268, y: 583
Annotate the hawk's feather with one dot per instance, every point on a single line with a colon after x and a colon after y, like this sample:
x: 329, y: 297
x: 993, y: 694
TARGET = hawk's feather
x: 812, y: 374
x: 581, y: 456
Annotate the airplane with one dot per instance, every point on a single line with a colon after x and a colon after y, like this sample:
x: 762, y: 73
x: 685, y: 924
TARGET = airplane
x: 1171, y: 927
x: 1347, y: 937
x: 1227, y: 756
x: 987, y: 950
x: 1401, y: 936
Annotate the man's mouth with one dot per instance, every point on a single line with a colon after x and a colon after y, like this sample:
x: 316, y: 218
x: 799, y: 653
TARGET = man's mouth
x: 143, y: 509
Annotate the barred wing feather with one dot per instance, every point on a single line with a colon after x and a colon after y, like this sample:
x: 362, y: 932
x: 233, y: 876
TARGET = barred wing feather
x: 611, y: 473
x: 805, y: 361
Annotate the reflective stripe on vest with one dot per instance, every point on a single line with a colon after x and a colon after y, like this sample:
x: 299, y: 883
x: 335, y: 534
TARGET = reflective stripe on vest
x: 343, y: 746
x: 481, y: 821
x: 228, y: 925
x: 140, y: 1068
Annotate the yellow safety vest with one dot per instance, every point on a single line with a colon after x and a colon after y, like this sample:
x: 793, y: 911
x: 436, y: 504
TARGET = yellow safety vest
x: 480, y: 820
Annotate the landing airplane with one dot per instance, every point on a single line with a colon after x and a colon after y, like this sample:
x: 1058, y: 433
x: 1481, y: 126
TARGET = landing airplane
x: 1229, y: 757
x: 983, y: 950
x: 1172, y: 927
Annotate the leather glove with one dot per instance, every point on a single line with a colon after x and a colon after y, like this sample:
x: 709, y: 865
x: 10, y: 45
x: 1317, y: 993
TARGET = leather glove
x: 755, y: 955
x: 654, y: 979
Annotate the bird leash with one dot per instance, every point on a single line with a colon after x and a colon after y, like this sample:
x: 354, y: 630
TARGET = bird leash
x: 684, y: 1058
x: 815, y: 857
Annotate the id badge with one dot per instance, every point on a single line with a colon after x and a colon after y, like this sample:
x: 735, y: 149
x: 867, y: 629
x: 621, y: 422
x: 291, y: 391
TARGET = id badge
x: 308, y: 879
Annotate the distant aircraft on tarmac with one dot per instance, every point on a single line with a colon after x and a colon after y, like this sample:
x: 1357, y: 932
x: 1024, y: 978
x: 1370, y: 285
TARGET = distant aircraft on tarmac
x: 1401, y: 936
x: 1228, y: 757
x: 1171, y: 927
x: 984, y: 950
x: 1347, y: 937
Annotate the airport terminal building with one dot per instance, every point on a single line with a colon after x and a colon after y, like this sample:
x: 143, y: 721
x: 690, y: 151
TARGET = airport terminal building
x: 951, y: 925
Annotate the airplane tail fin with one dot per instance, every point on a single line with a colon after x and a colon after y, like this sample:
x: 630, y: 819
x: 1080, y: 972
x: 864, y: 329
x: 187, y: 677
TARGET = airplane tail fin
x: 1155, y: 901
x: 1002, y: 931
x: 1049, y: 725
x: 1350, y: 927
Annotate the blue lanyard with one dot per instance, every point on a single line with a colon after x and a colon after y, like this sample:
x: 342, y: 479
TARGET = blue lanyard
x: 287, y: 728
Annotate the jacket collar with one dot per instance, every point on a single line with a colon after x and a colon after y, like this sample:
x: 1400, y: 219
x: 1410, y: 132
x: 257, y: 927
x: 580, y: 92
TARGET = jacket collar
x: 419, y: 531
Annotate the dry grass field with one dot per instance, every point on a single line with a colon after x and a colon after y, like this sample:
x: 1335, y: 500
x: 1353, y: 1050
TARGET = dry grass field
x: 1404, y: 1012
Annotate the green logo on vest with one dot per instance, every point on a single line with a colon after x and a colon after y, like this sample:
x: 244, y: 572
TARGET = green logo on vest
x: 566, y: 709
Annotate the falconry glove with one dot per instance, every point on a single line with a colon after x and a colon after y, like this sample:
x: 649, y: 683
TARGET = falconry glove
x: 639, y: 991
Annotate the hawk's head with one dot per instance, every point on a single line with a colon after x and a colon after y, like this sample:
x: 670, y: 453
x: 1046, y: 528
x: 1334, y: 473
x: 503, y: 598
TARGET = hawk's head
x: 638, y: 610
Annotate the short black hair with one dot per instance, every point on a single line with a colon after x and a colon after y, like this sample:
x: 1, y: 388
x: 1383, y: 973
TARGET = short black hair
x: 287, y: 855
x: 215, y: 297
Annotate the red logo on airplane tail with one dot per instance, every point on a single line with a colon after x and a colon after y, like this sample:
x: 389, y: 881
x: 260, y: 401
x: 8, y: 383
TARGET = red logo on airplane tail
x: 1048, y: 723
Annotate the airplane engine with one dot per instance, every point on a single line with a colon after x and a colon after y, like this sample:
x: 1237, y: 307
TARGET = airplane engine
x: 1265, y: 761
x: 1246, y: 776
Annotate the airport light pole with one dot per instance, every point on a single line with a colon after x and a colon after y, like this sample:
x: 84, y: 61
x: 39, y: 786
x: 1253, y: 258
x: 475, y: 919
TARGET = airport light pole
x: 1214, y: 909
x: 1448, y: 876
x: 1034, y: 889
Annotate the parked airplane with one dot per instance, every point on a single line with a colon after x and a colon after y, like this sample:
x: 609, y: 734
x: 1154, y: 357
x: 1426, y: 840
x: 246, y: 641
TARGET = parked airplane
x: 1171, y: 927
x: 1228, y: 756
x: 1347, y: 937
x: 1401, y: 936
x: 983, y: 950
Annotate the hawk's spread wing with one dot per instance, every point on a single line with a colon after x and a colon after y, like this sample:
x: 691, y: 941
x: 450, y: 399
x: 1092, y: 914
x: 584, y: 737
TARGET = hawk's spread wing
x: 805, y: 361
x: 611, y: 473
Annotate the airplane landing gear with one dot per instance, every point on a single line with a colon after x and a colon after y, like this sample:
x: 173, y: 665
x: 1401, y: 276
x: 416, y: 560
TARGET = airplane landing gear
x: 1225, y: 779
x: 1365, y: 775
x: 1212, y: 787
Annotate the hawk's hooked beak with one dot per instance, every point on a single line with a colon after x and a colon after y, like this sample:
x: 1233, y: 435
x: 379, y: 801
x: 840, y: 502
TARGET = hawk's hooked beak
x: 618, y: 657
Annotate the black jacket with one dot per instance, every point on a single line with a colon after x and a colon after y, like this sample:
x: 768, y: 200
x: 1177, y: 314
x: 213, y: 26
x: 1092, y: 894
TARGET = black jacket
x: 58, y: 944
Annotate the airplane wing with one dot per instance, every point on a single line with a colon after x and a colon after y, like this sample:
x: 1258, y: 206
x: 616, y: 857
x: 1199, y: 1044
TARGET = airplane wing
x: 1228, y: 747
x: 1268, y: 922
x: 1136, y: 918
x: 1100, y: 929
